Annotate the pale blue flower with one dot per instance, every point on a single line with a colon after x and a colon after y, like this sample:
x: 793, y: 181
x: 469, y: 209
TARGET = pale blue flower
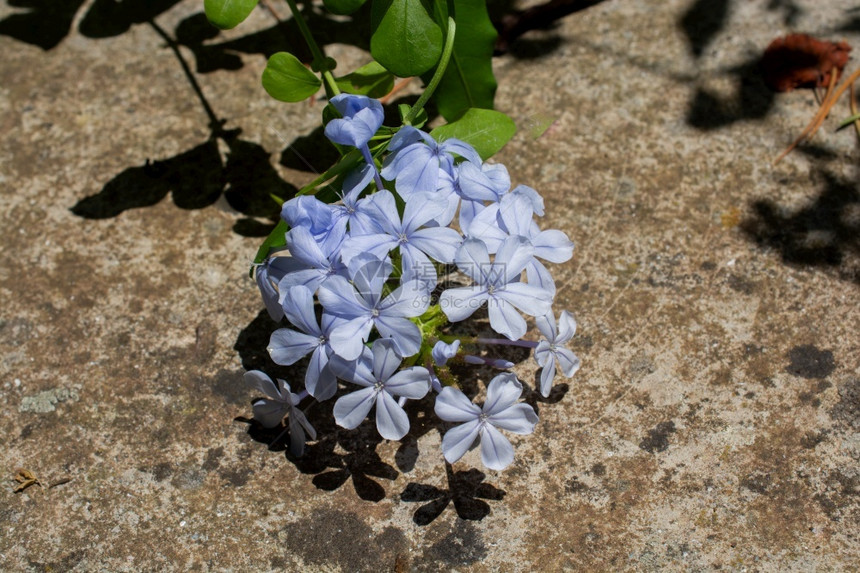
x: 513, y: 216
x: 443, y: 352
x: 363, y: 307
x: 376, y: 371
x: 500, y: 411
x: 318, y: 260
x: 532, y: 196
x: 356, y: 211
x: 415, y: 241
x: 496, y: 284
x: 309, y: 212
x: 268, y: 274
x: 551, y: 349
x: 487, y: 182
x: 280, y: 402
x: 362, y: 118
x: 288, y: 346
x: 418, y: 160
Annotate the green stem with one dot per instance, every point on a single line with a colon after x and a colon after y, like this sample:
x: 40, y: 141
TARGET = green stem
x: 319, y: 56
x: 349, y: 161
x: 437, y: 75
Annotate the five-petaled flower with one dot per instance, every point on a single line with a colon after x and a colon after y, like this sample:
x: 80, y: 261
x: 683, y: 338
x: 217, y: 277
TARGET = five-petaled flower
x: 552, y: 349
x: 280, y: 402
x: 376, y: 372
x: 500, y: 411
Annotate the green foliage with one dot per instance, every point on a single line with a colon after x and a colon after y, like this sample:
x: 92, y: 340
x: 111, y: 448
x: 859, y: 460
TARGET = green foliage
x: 405, y: 38
x: 226, y: 14
x: 468, y: 81
x: 343, y: 7
x: 277, y: 238
x: 484, y: 129
x: 371, y: 80
x: 287, y: 79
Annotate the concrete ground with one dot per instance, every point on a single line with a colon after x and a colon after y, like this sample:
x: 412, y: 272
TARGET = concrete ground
x: 715, y: 423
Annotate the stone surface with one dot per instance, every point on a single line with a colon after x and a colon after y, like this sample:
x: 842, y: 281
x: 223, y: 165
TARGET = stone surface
x: 715, y: 422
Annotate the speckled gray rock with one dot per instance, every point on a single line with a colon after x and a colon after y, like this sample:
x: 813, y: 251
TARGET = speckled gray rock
x: 715, y: 421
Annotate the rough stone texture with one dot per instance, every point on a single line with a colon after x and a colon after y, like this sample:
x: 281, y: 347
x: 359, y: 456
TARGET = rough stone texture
x: 715, y: 422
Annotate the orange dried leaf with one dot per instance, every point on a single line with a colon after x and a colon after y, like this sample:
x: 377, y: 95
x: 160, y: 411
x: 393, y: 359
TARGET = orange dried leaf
x: 799, y: 60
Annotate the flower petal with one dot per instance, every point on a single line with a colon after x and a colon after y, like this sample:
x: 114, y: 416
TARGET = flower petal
x: 391, y: 420
x: 513, y: 256
x: 505, y: 319
x: 530, y: 299
x: 347, y: 340
x: 377, y: 244
x: 546, y: 325
x: 459, y: 439
x: 538, y: 275
x: 261, y: 382
x: 421, y: 208
x: 409, y: 299
x: 441, y: 243
x: 338, y: 297
x: 475, y: 185
x: 547, y: 374
x: 385, y: 359
x: 351, y: 409
x: 356, y: 371
x: 519, y: 419
x: 503, y: 391
x: 553, y: 246
x: 320, y: 381
x: 300, y: 417
x: 473, y: 259
x: 412, y: 383
x: 305, y: 248
x: 453, y: 406
x: 497, y: 453
x: 405, y: 334
x: 460, y: 303
x: 297, y: 434
x: 566, y: 327
x: 269, y: 412
x: 442, y: 352
x: 289, y: 346
x: 299, y: 307
x: 568, y: 361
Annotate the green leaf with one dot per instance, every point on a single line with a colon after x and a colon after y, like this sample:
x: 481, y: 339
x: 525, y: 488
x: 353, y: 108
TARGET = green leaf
x: 343, y: 7
x: 277, y: 238
x: 287, y: 79
x: 227, y: 14
x: 484, y: 129
x: 468, y: 81
x: 371, y: 80
x: 405, y: 38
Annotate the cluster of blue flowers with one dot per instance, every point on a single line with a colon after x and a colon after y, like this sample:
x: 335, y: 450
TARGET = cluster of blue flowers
x: 359, y: 283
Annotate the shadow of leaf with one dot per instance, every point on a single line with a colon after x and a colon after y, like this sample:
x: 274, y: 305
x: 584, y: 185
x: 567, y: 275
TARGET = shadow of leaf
x: 465, y: 489
x: 752, y: 100
x: 196, y: 178
x: 109, y: 18
x: 702, y: 22
x: 194, y: 31
x: 823, y: 233
x: 45, y: 24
